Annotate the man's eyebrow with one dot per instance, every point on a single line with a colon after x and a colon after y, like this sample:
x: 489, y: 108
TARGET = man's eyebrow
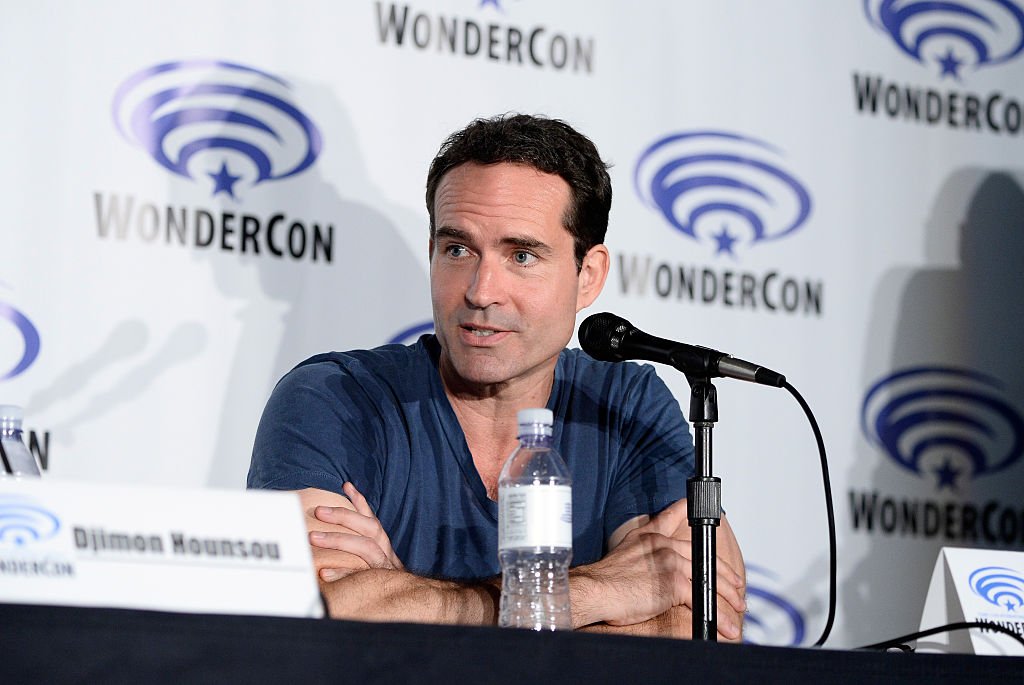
x: 527, y: 243
x: 519, y: 241
x: 449, y: 232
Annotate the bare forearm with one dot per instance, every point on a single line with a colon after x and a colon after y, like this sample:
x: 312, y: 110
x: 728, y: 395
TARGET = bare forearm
x: 646, y: 573
x: 592, y: 611
x: 676, y: 622
x: 392, y: 595
x: 610, y: 597
x: 585, y: 598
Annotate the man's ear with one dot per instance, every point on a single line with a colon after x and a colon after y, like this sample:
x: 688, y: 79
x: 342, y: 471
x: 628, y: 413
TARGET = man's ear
x: 592, y: 276
x: 430, y: 249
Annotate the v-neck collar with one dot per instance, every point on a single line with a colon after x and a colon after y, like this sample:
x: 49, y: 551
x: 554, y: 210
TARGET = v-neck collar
x: 456, y: 438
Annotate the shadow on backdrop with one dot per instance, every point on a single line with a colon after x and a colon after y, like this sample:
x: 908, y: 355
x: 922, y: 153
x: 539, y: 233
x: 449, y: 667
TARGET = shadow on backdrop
x: 373, y: 287
x: 964, y: 316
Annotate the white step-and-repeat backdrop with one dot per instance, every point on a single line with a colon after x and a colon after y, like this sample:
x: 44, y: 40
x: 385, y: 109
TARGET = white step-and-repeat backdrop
x: 198, y: 195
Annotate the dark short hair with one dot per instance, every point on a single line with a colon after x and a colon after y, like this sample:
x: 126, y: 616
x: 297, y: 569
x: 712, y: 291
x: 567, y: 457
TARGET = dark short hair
x: 548, y: 145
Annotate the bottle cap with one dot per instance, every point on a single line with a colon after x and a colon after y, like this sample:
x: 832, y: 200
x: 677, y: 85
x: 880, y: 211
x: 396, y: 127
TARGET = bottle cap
x: 530, y: 417
x: 11, y: 412
x: 10, y: 419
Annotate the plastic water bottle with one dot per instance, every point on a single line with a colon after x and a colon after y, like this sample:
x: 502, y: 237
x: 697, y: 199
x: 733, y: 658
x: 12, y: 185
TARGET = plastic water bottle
x: 18, y: 462
x: 535, y: 530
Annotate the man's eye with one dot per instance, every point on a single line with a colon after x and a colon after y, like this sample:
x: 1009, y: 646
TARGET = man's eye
x: 456, y: 250
x: 523, y: 258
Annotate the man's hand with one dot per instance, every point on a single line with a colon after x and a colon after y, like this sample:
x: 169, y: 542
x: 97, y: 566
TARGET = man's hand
x: 645, y: 575
x: 363, y: 579
x: 360, y: 534
x: 731, y: 581
x: 648, y: 573
x: 642, y: 587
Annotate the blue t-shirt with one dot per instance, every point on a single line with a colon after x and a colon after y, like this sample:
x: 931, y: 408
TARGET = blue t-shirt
x: 380, y: 419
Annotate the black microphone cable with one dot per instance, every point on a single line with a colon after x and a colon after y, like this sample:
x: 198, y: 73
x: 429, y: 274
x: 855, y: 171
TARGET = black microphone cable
x: 900, y: 641
x: 609, y: 337
x: 896, y: 642
x: 829, y: 510
x: 592, y: 339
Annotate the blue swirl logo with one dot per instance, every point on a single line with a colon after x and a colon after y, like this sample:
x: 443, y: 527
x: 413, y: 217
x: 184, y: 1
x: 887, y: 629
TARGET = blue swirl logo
x: 952, y: 33
x: 29, y: 337
x: 999, y: 586
x: 412, y: 333
x: 770, y: 616
x: 235, y: 115
x: 721, y: 186
x: 953, y: 423
x: 22, y: 523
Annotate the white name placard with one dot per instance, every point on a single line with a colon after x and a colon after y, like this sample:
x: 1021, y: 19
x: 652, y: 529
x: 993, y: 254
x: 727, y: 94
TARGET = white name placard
x: 975, y: 585
x: 202, y: 551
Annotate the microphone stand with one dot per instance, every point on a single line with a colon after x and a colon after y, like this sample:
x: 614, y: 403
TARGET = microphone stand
x: 703, y: 509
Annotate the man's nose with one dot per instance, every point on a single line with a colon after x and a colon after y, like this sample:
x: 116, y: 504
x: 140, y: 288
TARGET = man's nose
x: 487, y: 286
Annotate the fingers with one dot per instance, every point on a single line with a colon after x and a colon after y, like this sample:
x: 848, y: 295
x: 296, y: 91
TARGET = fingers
x: 651, y: 572
x: 670, y: 519
x: 357, y: 499
x: 733, y: 596
x: 730, y: 604
x: 730, y: 623
x: 353, y: 520
x: 728, y: 578
x: 361, y: 521
x: 332, y: 564
x: 669, y: 560
x: 363, y: 547
x: 729, y: 585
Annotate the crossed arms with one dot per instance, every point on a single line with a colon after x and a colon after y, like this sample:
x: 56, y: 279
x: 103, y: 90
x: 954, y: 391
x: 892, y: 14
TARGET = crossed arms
x: 641, y: 587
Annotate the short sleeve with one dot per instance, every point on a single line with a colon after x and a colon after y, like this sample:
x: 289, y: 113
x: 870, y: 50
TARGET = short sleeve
x: 314, y: 432
x: 656, y: 456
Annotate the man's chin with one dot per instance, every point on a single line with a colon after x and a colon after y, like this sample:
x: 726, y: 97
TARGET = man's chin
x: 479, y: 373
x: 477, y: 368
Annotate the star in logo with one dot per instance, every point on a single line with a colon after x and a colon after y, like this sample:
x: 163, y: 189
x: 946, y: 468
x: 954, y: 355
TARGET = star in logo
x: 947, y: 474
x: 950, y: 64
x: 224, y: 181
x: 725, y: 241
x: 496, y: 4
x: 1010, y: 606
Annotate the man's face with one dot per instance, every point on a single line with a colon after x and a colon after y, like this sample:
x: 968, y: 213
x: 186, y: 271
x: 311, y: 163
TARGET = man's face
x: 503, y: 277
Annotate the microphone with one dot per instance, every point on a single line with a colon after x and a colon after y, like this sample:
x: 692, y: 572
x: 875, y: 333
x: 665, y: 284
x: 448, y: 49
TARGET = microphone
x: 610, y: 338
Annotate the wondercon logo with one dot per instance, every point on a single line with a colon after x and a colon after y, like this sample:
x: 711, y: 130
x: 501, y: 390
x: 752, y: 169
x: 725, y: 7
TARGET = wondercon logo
x: 945, y: 423
x: 770, y: 615
x: 953, y: 34
x: 412, y: 333
x: 999, y: 586
x: 22, y: 523
x: 729, y: 189
x: 27, y: 339
x: 204, y: 119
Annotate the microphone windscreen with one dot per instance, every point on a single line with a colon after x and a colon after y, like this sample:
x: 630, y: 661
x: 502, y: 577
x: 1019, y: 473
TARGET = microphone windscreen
x: 596, y: 334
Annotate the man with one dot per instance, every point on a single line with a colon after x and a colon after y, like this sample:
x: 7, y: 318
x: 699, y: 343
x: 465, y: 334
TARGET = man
x: 518, y: 211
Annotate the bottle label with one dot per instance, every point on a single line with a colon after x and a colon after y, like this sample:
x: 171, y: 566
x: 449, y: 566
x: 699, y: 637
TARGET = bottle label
x: 534, y: 516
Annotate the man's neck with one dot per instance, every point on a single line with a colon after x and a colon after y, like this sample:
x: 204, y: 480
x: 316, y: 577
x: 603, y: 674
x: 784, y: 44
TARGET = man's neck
x: 487, y: 415
x: 498, y: 402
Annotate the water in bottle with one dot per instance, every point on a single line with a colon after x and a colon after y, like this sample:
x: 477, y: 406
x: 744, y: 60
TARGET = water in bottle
x: 535, y: 529
x: 18, y: 462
